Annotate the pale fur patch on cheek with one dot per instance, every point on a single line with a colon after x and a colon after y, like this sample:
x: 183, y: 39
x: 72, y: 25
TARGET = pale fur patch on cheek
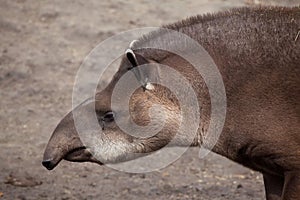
x: 110, y: 150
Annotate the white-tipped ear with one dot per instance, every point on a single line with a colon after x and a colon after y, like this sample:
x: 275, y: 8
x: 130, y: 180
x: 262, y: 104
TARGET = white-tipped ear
x: 142, y: 78
x: 131, y: 57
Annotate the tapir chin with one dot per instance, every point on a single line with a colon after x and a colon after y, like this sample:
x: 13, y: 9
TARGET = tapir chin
x: 257, y: 52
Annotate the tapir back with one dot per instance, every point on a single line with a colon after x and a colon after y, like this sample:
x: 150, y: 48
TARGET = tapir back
x: 258, y: 55
x: 261, y: 75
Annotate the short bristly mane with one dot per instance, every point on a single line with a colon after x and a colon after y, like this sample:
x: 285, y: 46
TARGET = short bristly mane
x: 211, y: 30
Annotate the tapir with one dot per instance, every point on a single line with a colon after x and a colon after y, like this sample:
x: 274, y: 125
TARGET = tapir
x: 257, y: 53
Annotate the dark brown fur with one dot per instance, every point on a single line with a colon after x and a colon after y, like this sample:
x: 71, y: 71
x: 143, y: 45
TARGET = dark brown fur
x: 258, y: 55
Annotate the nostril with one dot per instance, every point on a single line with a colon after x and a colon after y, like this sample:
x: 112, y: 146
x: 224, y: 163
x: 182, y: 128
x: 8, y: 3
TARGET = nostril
x: 49, y: 164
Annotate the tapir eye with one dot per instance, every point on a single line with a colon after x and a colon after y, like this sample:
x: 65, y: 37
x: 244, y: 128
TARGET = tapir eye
x: 108, y: 116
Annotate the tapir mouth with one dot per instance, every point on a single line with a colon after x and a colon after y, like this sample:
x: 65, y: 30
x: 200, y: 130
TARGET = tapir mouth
x: 79, y: 154
x: 76, y: 154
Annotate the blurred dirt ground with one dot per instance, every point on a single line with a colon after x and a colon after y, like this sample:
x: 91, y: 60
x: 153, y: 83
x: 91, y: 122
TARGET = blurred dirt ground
x: 42, y: 44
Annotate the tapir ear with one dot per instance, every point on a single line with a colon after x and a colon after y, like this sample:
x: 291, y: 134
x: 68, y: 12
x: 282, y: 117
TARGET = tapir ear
x: 150, y: 74
x: 135, y: 59
x: 131, y: 57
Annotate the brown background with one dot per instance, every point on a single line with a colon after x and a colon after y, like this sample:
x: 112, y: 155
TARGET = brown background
x: 42, y: 44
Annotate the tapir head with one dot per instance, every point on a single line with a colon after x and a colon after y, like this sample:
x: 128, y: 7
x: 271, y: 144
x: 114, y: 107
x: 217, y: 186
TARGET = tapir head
x: 113, y: 143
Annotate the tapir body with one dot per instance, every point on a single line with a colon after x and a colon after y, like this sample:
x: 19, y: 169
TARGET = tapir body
x: 257, y: 52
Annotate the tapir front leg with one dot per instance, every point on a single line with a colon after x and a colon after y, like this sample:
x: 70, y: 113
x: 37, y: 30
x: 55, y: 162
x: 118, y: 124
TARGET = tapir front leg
x: 273, y: 186
x: 291, y: 189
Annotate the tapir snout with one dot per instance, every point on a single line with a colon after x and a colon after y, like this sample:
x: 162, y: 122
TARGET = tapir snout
x: 65, y: 144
